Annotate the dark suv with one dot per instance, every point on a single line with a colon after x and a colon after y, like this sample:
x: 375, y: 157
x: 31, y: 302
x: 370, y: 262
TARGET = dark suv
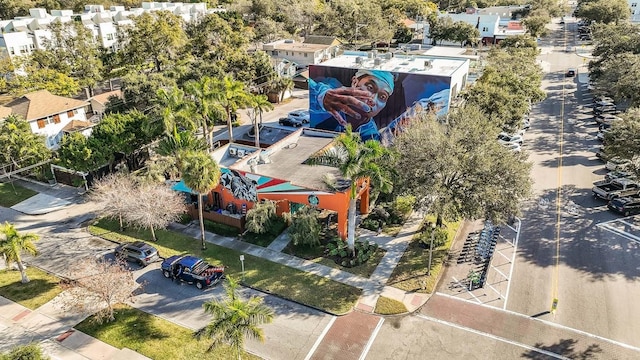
x: 625, y: 206
x: 138, y: 251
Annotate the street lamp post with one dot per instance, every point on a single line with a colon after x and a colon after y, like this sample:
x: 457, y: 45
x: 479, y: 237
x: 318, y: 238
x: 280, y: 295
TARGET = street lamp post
x: 433, y: 231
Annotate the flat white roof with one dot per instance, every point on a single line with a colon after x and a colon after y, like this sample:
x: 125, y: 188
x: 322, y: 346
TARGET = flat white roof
x: 414, y: 64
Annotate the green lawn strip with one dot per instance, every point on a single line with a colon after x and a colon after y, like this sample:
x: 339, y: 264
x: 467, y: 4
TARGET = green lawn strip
x: 153, y: 337
x: 41, y: 289
x: 260, y: 273
x: 411, y: 272
x: 388, y: 306
x: 13, y: 194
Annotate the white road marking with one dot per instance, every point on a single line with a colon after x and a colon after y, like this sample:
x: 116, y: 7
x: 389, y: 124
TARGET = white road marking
x: 319, y: 340
x: 622, y: 233
x: 630, y: 224
x: 494, y: 337
x: 467, y: 290
x: 513, y: 261
x: 371, y: 339
x: 559, y: 326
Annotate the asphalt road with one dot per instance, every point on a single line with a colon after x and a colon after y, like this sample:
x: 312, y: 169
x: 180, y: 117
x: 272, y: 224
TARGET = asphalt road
x: 563, y: 254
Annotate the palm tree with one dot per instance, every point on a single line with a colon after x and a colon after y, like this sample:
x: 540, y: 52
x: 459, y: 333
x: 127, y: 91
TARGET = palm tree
x: 203, y: 96
x: 13, y: 244
x: 231, y: 95
x: 201, y: 174
x: 174, y: 111
x: 280, y: 85
x: 357, y: 161
x: 235, y: 318
x: 260, y: 104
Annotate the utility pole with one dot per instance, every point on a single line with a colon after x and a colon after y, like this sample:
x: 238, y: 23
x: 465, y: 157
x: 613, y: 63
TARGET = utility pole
x: 358, y: 26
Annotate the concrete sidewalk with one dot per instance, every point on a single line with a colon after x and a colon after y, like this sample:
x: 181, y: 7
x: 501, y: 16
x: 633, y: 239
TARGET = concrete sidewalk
x: 373, y: 287
x: 52, y: 328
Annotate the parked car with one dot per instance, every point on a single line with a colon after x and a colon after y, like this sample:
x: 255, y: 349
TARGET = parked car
x: 600, y: 154
x: 616, y: 174
x: 513, y: 147
x: 504, y: 138
x: 301, y: 115
x: 616, y: 164
x: 137, y: 251
x: 585, y: 37
x: 526, y: 124
x: 607, y: 109
x: 602, y: 98
x: 571, y: 72
x: 605, y: 118
x: 609, y: 190
x: 600, y: 135
x: 287, y: 121
x: 192, y: 270
x: 625, y: 205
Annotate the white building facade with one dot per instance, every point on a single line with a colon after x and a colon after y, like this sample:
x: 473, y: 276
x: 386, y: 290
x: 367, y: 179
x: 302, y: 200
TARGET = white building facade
x: 22, y: 35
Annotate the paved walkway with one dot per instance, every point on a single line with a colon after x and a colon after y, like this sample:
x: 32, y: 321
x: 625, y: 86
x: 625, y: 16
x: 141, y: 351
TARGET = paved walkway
x: 373, y: 287
x: 52, y: 327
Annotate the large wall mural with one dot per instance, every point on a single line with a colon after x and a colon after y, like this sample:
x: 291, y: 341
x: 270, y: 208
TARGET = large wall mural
x: 376, y: 103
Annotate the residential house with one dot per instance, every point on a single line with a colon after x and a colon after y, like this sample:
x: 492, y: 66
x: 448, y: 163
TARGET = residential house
x: 51, y: 116
x: 99, y: 102
x: 634, y: 6
x: 489, y: 26
x: 303, y: 54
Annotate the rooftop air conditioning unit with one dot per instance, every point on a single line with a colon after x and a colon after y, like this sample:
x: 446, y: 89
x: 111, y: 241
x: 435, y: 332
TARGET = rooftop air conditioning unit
x: 428, y: 64
x: 359, y: 60
x: 377, y: 62
x: 241, y: 153
x: 233, y: 151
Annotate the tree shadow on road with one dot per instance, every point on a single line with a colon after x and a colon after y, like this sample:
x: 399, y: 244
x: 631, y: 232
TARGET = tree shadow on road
x: 565, y: 348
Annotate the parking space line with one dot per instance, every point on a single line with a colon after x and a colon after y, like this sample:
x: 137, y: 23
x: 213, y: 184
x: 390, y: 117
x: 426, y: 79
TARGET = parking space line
x: 467, y: 290
x: 622, y: 233
x: 630, y: 224
x: 513, y: 260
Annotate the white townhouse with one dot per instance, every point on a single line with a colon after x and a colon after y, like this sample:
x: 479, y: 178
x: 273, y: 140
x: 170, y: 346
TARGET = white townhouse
x: 21, y: 35
x: 50, y: 115
x: 491, y: 32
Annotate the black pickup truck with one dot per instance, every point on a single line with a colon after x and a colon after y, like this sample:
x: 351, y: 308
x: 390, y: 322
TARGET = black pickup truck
x: 192, y: 270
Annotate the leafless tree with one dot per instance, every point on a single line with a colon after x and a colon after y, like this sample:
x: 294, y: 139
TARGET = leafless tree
x: 115, y: 195
x: 156, y: 206
x: 97, y: 285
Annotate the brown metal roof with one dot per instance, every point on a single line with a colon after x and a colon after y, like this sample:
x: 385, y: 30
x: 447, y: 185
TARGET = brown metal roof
x: 40, y: 104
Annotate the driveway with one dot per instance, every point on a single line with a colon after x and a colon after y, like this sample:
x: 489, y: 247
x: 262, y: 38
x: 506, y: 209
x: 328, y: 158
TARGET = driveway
x: 292, y: 334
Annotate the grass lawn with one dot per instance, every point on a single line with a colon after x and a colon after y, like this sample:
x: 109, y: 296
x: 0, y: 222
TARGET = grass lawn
x: 411, y: 272
x: 154, y: 337
x: 42, y: 287
x: 388, y: 306
x: 260, y: 273
x: 13, y: 194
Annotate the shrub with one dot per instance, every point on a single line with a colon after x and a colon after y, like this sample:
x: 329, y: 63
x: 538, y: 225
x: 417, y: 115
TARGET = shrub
x: 370, y: 224
x: 439, y: 238
x: 305, y: 228
x: 220, y: 229
x: 261, y: 217
x: 402, y: 206
x: 340, y: 249
x: 25, y: 352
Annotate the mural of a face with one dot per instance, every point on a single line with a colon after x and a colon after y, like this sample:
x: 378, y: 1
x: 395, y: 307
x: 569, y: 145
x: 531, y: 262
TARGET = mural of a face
x: 240, y: 186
